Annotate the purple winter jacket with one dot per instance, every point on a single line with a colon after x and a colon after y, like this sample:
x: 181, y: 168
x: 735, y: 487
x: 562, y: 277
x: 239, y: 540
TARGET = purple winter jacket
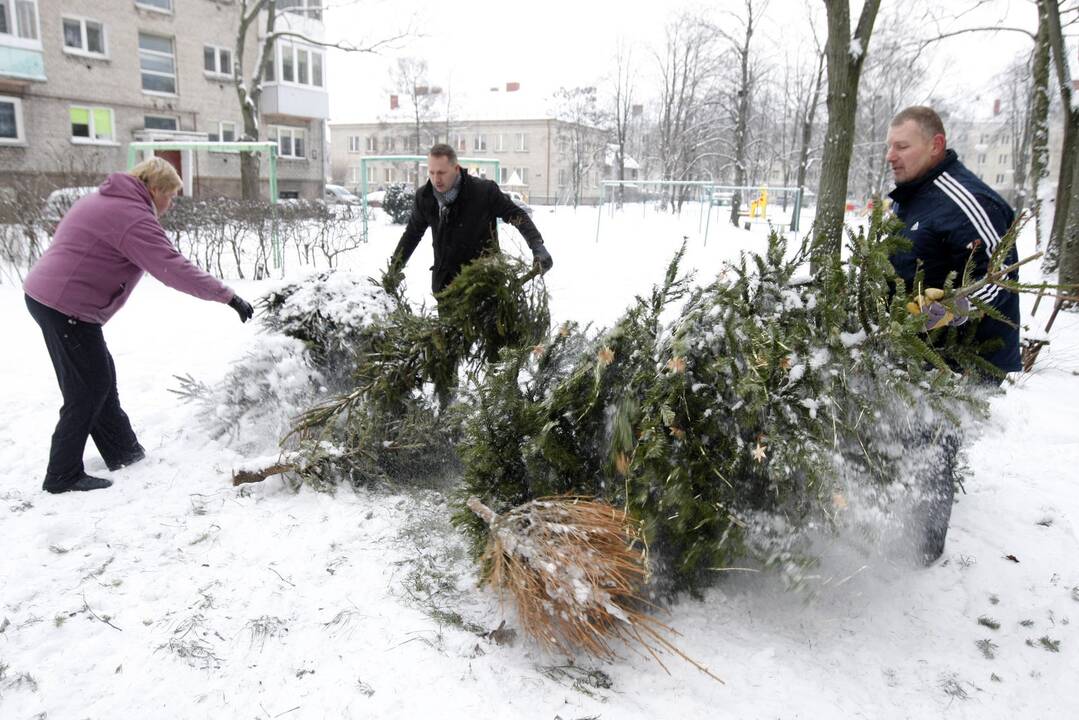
x: 100, y: 250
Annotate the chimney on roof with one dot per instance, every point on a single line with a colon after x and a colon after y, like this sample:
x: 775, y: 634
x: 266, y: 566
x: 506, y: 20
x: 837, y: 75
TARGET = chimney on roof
x: 393, y: 102
x: 996, y: 107
x: 513, y: 86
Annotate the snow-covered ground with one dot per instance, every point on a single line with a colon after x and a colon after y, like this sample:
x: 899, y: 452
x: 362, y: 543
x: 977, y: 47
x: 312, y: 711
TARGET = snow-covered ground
x: 175, y: 595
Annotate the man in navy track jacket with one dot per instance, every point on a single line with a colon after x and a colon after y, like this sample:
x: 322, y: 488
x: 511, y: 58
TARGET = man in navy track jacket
x: 950, y: 216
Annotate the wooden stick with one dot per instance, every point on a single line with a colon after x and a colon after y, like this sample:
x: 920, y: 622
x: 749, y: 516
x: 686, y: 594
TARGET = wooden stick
x: 240, y: 477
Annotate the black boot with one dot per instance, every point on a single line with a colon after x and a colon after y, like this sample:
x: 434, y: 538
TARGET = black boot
x: 85, y: 483
x: 138, y: 454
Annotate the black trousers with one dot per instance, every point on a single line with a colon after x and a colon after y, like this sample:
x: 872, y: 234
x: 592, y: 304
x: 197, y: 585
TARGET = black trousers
x: 87, y: 379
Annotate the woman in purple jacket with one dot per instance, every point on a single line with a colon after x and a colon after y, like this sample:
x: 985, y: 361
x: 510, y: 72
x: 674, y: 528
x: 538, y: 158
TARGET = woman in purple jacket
x: 98, y: 254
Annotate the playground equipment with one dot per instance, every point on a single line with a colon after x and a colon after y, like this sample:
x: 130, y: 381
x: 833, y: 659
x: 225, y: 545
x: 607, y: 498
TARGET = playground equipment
x: 143, y: 149
x: 709, y: 196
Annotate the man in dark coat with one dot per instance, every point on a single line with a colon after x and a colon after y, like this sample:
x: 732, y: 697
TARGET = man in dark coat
x: 951, y: 216
x: 462, y: 212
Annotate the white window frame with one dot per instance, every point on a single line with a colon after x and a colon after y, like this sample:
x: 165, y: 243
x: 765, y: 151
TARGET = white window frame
x: 92, y: 140
x: 276, y: 132
x: 354, y: 144
x: 371, y: 144
x: 221, y: 131
x: 500, y: 144
x: 14, y: 39
x: 85, y: 50
x: 217, y: 72
x: 479, y: 143
x: 522, y: 172
x: 293, y: 50
x: 145, y: 5
x: 162, y: 117
x: 20, y: 126
x: 503, y: 175
x: 389, y: 144
x: 307, y: 8
x: 461, y: 143
x: 175, y: 68
x: 372, y: 174
x: 521, y: 142
x: 387, y: 174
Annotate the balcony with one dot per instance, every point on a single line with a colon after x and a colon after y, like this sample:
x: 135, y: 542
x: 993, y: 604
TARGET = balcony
x: 295, y: 100
x: 21, y: 61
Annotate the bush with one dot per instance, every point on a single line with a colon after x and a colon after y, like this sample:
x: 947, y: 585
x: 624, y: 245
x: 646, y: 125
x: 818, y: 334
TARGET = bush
x: 398, y: 203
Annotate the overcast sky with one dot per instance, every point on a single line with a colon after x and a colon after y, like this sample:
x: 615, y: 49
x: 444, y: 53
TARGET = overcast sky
x: 475, y: 44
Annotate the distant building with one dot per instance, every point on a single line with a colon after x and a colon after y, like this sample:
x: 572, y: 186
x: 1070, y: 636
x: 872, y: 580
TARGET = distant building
x: 986, y: 142
x: 80, y: 79
x: 546, y: 159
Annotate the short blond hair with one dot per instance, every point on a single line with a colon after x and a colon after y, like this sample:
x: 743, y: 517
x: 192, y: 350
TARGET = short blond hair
x: 157, y: 173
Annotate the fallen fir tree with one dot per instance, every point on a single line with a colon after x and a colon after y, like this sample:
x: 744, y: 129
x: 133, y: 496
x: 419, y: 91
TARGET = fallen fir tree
x: 404, y: 365
x: 742, y: 427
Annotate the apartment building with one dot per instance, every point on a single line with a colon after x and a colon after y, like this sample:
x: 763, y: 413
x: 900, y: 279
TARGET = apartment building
x: 81, y: 79
x: 546, y: 159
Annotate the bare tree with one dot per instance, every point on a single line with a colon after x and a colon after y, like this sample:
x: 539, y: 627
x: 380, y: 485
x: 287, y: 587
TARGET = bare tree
x: 623, y: 111
x: 1065, y: 232
x: 249, y: 82
x: 1039, y: 122
x: 807, y: 115
x: 581, y: 134
x: 747, y: 77
x: 846, y: 55
x: 684, y: 127
x: 411, y: 78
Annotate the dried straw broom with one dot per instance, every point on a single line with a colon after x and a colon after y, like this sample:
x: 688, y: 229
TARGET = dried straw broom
x: 571, y: 567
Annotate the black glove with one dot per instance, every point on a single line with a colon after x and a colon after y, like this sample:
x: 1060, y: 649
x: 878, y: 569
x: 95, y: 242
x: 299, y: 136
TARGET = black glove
x: 242, y: 308
x: 542, y: 258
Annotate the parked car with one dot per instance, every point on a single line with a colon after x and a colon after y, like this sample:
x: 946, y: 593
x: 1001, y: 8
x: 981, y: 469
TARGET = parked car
x: 519, y: 200
x: 376, y: 198
x: 59, y: 202
x: 338, y: 194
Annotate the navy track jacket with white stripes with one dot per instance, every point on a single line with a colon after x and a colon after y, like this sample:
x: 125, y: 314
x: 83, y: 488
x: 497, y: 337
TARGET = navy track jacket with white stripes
x: 949, y: 213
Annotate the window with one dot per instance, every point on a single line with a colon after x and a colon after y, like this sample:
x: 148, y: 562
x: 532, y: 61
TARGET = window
x: 353, y: 143
x: 310, y: 8
x: 355, y: 175
x: 503, y: 175
x: 372, y: 144
x: 388, y: 144
x: 290, y: 141
x: 479, y: 142
x: 11, y: 129
x: 500, y: 144
x: 158, y: 64
x: 371, y: 176
x: 159, y: 5
x: 91, y: 124
x: 981, y: 159
x: 1004, y: 158
x: 1000, y: 178
x: 159, y: 122
x: 300, y: 65
x: 19, y: 18
x: 461, y: 143
x: 216, y: 60
x: 561, y: 177
x: 84, y: 37
x: 522, y: 142
x: 387, y: 175
x: 225, y: 132
x: 523, y: 173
